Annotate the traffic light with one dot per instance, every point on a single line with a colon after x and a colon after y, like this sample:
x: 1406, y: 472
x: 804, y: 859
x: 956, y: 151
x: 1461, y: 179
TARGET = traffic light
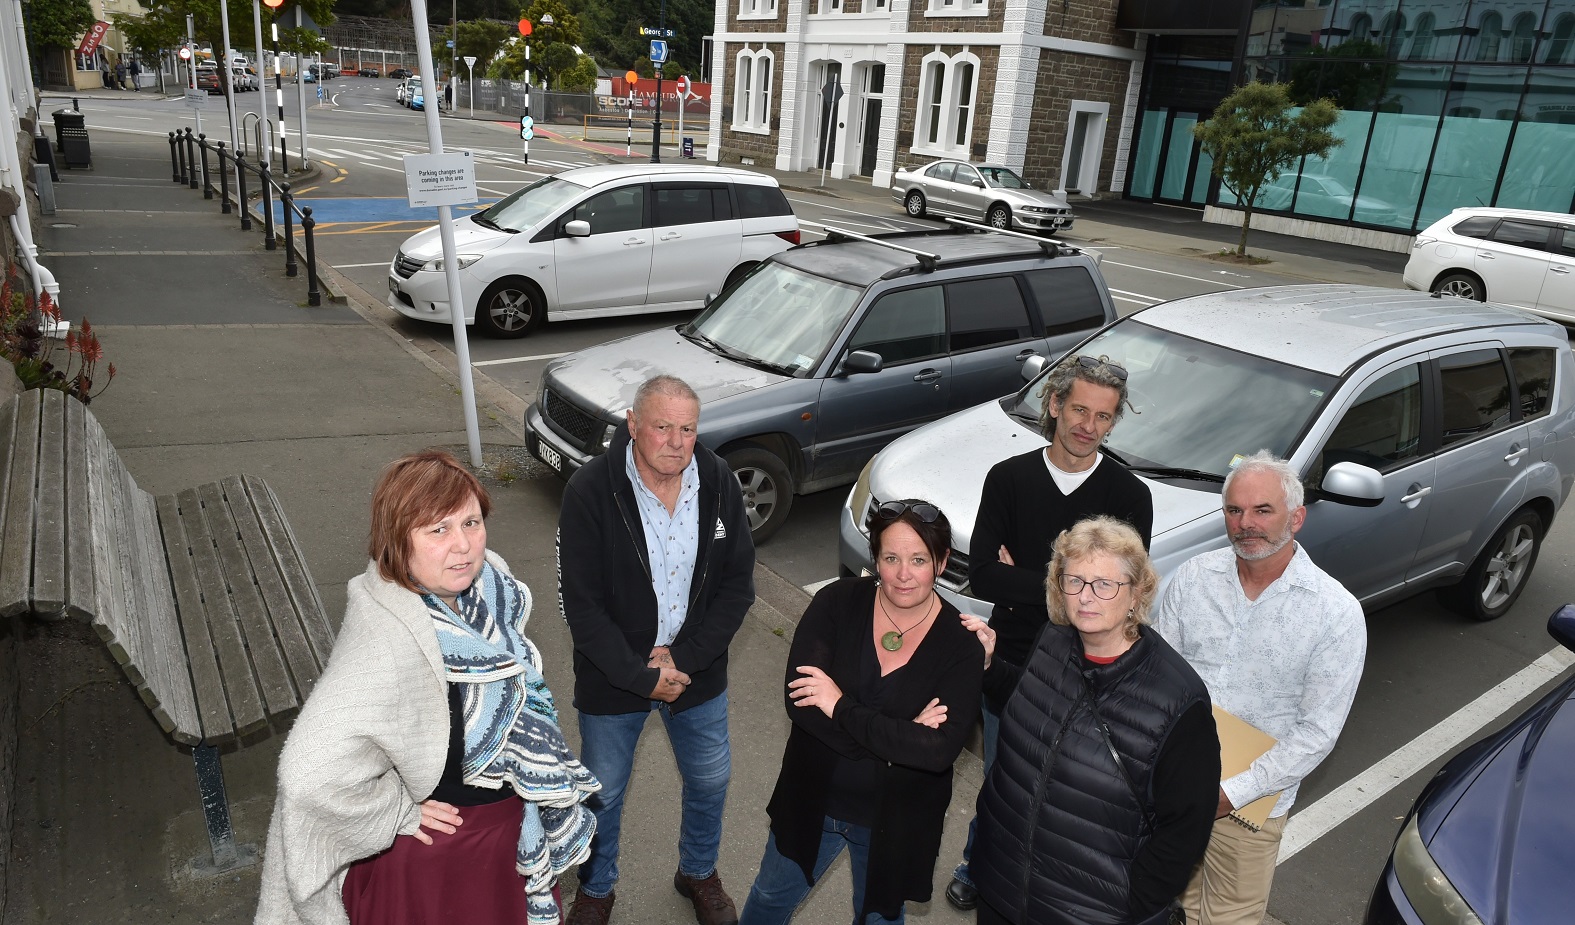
x: 273, y: 4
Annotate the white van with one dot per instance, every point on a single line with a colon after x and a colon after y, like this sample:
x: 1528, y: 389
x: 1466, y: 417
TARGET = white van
x: 618, y: 239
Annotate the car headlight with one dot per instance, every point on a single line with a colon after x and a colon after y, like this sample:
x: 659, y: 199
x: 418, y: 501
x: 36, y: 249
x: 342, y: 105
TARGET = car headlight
x: 1037, y: 209
x: 436, y: 263
x: 859, y: 498
x: 1434, y: 898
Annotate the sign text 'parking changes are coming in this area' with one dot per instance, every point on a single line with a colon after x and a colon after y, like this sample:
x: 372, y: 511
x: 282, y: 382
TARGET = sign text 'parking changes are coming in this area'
x: 447, y: 179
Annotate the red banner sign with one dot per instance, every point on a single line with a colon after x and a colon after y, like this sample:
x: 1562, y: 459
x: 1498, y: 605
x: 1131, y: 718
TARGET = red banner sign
x: 95, y: 34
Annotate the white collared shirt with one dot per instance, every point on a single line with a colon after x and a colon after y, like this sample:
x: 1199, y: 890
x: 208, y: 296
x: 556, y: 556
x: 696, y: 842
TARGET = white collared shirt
x: 673, y: 543
x: 1288, y: 662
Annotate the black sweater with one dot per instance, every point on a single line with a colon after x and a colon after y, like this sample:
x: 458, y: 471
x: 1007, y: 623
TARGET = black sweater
x: 1022, y: 509
x: 604, y: 585
x: 914, y: 785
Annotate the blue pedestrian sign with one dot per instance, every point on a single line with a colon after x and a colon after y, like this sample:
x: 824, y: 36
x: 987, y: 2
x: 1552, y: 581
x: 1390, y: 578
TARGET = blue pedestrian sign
x: 658, y: 51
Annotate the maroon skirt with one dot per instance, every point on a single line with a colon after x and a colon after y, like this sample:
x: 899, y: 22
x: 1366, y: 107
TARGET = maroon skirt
x: 465, y: 877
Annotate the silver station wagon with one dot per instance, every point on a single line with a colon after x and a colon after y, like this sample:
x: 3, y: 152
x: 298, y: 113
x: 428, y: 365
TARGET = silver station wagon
x: 1433, y: 435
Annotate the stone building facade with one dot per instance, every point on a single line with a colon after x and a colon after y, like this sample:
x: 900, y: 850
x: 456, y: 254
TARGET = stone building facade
x: 862, y: 88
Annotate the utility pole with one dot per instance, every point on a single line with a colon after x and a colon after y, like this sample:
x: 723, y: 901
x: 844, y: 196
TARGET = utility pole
x: 453, y: 52
x: 656, y: 127
x: 278, y: 90
x: 300, y: 86
x: 191, y: 42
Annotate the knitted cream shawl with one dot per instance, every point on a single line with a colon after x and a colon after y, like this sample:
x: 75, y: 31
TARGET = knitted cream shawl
x: 367, y: 748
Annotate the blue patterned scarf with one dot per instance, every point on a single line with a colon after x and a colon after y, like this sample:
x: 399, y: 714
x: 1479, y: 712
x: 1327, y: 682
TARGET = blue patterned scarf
x: 512, y: 737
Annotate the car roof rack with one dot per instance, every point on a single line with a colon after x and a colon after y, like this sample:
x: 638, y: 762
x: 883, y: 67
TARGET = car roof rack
x: 1052, y: 247
x: 926, y: 259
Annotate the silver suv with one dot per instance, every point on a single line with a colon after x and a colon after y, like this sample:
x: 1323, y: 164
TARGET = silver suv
x: 1433, y: 434
x: 828, y: 351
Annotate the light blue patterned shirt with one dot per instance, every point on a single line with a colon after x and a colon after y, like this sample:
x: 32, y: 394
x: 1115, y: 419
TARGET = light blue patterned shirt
x: 673, y: 542
x: 1288, y: 662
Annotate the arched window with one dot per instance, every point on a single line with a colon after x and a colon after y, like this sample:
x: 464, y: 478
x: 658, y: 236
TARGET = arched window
x: 1558, y: 47
x: 1391, y: 33
x: 1361, y: 28
x: 1490, y: 35
x: 752, y: 79
x: 1523, y: 38
x: 1422, y: 38
x: 947, y: 90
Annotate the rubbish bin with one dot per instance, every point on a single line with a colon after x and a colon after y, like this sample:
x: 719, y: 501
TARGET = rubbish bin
x: 71, y: 138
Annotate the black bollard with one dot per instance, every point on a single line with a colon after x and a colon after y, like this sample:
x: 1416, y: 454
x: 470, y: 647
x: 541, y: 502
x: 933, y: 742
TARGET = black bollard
x: 265, y: 181
x: 286, y: 207
x: 191, y: 157
x: 180, y: 144
x: 174, y: 159
x: 207, y: 189
x: 314, y: 295
x: 224, y: 183
x: 240, y: 191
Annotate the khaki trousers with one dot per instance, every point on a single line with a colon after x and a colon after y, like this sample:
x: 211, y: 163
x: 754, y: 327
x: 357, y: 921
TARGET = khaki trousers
x: 1231, y: 885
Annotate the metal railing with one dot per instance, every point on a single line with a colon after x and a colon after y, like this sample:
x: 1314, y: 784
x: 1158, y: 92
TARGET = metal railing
x: 261, y: 137
x: 190, y: 165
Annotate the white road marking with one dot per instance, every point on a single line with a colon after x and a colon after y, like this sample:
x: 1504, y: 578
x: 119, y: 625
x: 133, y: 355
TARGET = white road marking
x: 357, y: 266
x: 1133, y: 266
x: 1136, y: 296
x: 1308, y: 825
x: 382, y: 166
x: 819, y: 204
x: 543, y: 356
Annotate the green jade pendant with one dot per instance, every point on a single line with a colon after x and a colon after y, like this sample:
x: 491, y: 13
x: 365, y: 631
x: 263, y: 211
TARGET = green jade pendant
x: 891, y: 642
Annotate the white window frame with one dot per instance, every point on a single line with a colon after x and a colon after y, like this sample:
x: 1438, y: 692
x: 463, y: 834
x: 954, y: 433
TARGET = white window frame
x: 752, y: 90
x: 828, y: 7
x: 953, y: 112
x: 957, y: 8
x: 757, y: 9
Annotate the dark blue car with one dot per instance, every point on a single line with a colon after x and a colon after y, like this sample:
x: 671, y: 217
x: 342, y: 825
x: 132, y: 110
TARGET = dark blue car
x: 1491, y: 840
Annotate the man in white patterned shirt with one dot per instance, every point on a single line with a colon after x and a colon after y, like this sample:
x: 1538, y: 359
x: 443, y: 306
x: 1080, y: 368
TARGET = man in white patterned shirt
x: 1280, y: 644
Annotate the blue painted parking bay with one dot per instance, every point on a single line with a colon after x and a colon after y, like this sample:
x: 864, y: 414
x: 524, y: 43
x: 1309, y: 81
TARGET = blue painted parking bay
x: 356, y: 210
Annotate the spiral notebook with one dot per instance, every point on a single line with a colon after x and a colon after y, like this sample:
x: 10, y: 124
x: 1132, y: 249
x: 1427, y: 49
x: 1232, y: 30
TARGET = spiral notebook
x: 1242, y: 743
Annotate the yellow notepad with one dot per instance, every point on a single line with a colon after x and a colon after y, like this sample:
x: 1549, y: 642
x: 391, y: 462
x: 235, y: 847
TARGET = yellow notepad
x: 1242, y: 743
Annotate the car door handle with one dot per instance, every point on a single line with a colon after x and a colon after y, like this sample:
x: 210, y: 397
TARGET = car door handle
x: 928, y: 375
x: 1558, y: 269
x: 633, y: 241
x: 1026, y: 354
x: 1485, y: 255
x: 1516, y: 453
x: 1417, y: 493
x: 672, y: 235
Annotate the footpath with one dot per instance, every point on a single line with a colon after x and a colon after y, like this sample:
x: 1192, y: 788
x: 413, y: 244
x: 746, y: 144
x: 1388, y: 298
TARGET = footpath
x: 224, y: 370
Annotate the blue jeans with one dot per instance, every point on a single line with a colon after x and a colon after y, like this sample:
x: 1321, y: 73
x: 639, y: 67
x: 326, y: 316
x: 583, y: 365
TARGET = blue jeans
x: 780, y: 886
x: 699, y: 739
x: 992, y: 731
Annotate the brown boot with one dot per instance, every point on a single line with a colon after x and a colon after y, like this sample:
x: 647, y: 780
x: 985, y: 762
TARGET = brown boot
x: 712, y: 904
x: 591, y: 910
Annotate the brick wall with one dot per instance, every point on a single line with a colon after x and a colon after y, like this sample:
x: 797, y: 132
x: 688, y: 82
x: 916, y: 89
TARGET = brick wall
x: 737, y: 145
x: 990, y: 22
x: 775, y: 24
x: 1063, y: 77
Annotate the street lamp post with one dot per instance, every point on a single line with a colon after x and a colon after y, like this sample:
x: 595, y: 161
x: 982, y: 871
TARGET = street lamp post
x: 656, y: 126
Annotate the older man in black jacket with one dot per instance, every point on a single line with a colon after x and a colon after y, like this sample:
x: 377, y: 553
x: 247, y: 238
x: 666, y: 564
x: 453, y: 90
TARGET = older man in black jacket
x: 655, y: 574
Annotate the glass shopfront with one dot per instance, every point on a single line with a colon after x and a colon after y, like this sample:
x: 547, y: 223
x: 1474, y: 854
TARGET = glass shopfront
x: 1443, y: 105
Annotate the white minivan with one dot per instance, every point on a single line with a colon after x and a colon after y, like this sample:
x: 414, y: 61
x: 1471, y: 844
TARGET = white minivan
x: 618, y: 239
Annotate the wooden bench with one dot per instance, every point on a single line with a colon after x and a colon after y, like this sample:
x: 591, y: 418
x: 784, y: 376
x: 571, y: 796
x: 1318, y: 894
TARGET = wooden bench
x: 203, y: 596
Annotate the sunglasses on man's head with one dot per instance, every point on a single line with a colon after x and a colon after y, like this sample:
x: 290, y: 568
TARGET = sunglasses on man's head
x: 1088, y: 362
x: 925, y: 511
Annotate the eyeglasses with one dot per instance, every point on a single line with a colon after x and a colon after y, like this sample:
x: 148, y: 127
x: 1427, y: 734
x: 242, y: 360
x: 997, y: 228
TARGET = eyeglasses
x: 1088, y: 362
x: 1104, y: 588
x: 925, y: 511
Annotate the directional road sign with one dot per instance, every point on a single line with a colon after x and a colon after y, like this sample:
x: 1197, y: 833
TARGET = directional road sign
x: 658, y: 51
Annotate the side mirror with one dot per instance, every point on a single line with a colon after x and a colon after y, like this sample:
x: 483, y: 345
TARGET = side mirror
x: 978, y: 184
x: 579, y: 228
x: 861, y: 361
x: 1033, y: 366
x: 1561, y: 626
x: 1352, y: 483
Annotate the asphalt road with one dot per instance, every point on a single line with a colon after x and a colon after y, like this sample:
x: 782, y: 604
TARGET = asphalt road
x: 1423, y: 663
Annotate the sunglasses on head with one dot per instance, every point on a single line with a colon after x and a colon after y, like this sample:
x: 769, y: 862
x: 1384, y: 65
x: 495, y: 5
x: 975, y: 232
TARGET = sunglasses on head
x: 1088, y: 362
x: 925, y: 511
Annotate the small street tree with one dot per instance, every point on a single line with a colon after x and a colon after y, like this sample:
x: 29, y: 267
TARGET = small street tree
x: 58, y: 23
x: 481, y: 39
x: 1254, y: 136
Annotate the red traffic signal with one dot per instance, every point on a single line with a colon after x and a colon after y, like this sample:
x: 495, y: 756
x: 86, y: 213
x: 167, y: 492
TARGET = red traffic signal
x: 273, y: 4
x: 524, y: 27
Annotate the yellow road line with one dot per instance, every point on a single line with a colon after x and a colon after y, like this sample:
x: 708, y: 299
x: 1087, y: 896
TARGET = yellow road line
x: 329, y: 163
x: 404, y: 231
x: 301, y: 192
x: 338, y: 179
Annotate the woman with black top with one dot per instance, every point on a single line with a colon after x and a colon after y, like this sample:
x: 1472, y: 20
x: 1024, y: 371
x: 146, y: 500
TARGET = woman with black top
x: 426, y: 780
x: 1105, y: 784
x: 883, y: 689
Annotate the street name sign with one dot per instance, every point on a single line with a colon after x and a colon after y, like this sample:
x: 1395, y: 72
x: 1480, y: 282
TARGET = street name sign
x: 447, y: 179
x: 657, y: 33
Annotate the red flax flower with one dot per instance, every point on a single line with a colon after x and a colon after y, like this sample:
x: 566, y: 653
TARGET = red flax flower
x: 48, y: 308
x: 71, y: 342
x: 88, y: 346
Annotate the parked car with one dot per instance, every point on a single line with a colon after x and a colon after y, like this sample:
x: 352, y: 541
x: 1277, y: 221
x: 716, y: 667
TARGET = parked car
x: 368, y: 72
x: 979, y: 192
x: 822, y: 355
x: 1488, y: 840
x: 309, y: 75
x: 330, y: 71
x: 1513, y: 256
x: 1433, y: 435
x: 415, y: 98
x: 208, y: 79
x: 400, y: 73
x: 244, y: 78
x: 1323, y: 195
x: 402, y: 91
x: 596, y: 241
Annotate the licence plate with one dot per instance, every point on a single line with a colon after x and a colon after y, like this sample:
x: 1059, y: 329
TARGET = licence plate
x: 393, y: 285
x: 550, y: 456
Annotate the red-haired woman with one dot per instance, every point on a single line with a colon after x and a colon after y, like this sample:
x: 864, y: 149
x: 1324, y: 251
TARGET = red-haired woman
x: 426, y: 779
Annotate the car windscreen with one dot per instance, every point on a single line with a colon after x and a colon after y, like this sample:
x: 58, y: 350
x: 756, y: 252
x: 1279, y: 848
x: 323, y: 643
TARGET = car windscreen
x: 1197, y: 405
x: 529, y: 206
x: 1000, y: 176
x: 778, y: 316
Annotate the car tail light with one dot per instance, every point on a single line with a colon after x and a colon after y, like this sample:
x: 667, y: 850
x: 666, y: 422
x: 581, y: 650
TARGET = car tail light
x: 789, y: 236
